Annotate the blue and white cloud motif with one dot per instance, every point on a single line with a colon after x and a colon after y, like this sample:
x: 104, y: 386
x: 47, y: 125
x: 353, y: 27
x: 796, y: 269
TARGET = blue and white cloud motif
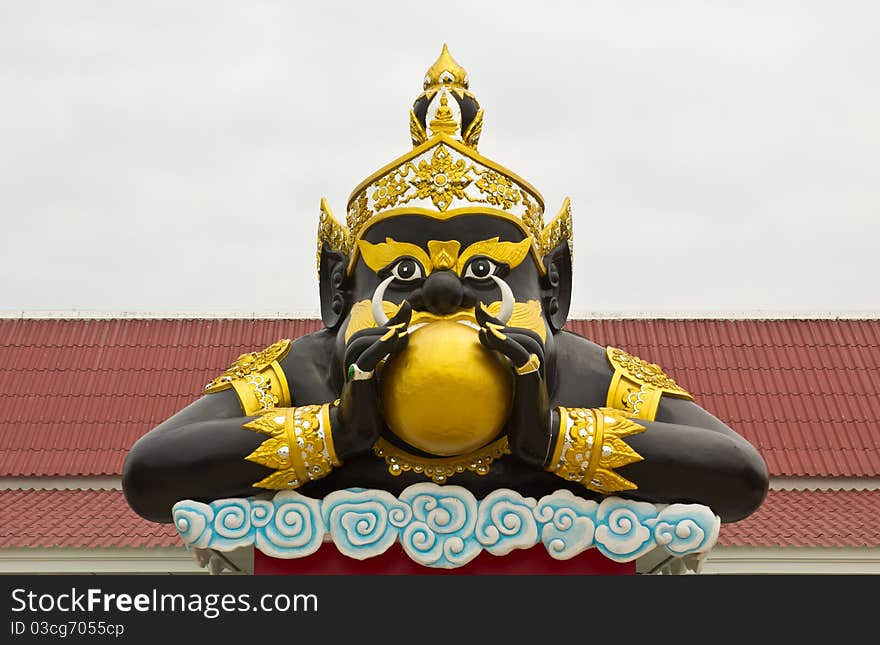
x: 624, y: 528
x: 441, y: 533
x: 232, y: 524
x: 363, y: 523
x: 568, y: 523
x: 446, y: 526
x: 506, y: 521
x: 193, y: 522
x: 295, y: 528
x: 686, y: 528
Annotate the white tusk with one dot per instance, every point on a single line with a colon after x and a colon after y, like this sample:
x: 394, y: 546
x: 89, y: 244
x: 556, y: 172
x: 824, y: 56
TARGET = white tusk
x: 506, y: 300
x: 378, y: 296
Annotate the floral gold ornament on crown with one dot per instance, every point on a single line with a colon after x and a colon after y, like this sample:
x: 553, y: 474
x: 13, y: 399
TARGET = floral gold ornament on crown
x: 444, y: 176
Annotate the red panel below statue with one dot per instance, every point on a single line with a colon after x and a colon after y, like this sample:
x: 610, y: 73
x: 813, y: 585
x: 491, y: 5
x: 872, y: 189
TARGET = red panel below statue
x: 535, y: 561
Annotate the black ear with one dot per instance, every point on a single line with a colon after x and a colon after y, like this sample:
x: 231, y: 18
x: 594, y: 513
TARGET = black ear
x: 332, y: 285
x: 557, y: 285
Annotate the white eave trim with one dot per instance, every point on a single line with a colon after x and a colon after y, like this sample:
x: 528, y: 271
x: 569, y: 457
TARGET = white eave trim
x: 110, y: 482
x: 792, y: 560
x: 724, y: 315
x: 824, y: 483
x: 312, y: 314
x: 159, y: 315
x: 47, y: 560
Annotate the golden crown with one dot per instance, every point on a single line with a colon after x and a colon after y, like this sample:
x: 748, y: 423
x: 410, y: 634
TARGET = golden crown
x: 444, y: 175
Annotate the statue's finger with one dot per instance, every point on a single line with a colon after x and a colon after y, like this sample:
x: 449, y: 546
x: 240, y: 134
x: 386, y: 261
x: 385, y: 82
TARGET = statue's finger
x: 532, y: 345
x: 378, y: 350
x: 403, y: 315
x: 483, y: 316
x: 356, y: 347
x: 493, y: 337
x: 525, y: 332
x: 366, y: 333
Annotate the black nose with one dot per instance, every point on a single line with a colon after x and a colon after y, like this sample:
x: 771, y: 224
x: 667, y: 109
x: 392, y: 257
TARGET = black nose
x: 442, y: 292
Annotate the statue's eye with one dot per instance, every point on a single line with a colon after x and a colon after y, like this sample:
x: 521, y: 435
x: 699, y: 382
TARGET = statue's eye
x: 407, y: 270
x: 480, y: 268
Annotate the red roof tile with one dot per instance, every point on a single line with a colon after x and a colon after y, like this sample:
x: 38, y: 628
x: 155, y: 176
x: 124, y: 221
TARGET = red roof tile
x: 814, y: 518
x: 75, y: 394
x: 76, y: 518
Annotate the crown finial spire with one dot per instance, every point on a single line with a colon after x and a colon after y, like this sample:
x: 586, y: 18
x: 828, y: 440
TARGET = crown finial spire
x: 446, y: 106
x: 445, y: 71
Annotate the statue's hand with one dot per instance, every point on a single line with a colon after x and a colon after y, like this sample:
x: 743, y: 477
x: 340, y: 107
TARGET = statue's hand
x: 359, y: 408
x: 528, y: 429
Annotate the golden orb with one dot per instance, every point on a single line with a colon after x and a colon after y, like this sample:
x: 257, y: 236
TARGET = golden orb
x: 446, y: 393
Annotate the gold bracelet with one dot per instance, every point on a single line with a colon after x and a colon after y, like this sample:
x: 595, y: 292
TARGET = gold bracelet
x: 590, y: 445
x: 299, y: 448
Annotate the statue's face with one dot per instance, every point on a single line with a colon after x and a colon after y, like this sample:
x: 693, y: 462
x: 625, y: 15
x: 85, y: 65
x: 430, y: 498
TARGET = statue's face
x: 444, y: 268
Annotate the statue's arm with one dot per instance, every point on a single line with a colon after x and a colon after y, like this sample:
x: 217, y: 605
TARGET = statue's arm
x: 246, y: 435
x: 620, y: 426
x: 647, y: 439
x: 196, y: 454
x: 212, y: 450
x: 257, y: 431
x: 691, y: 455
x: 681, y: 457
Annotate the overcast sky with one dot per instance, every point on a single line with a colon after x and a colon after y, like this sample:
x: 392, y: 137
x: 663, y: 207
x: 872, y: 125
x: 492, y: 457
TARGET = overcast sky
x: 171, y: 156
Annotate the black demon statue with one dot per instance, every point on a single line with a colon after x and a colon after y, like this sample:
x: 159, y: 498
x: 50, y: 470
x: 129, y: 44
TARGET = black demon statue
x: 444, y: 359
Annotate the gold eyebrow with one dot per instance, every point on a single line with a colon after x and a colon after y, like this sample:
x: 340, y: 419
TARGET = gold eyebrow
x: 379, y: 256
x: 444, y: 254
x: 509, y: 253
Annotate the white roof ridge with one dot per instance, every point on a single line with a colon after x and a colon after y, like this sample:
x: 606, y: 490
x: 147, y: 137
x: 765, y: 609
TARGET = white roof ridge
x: 78, y: 314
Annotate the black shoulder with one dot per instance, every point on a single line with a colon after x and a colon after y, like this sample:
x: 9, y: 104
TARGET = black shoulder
x: 583, y: 371
x: 307, y: 368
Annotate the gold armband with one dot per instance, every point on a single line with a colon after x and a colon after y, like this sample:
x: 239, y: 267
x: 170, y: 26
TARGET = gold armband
x: 299, y: 447
x: 257, y: 379
x: 637, y: 385
x: 590, y: 445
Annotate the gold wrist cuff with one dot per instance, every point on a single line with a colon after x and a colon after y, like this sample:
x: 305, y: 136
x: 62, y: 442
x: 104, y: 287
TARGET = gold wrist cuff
x: 590, y: 445
x: 299, y: 448
x: 637, y: 385
x: 257, y: 379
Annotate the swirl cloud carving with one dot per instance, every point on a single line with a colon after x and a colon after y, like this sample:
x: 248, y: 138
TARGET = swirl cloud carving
x: 568, y: 523
x: 294, y: 528
x: 232, y: 524
x: 193, y: 522
x: 446, y: 526
x: 506, y: 521
x: 441, y: 533
x: 686, y: 528
x: 363, y: 524
x: 624, y: 531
